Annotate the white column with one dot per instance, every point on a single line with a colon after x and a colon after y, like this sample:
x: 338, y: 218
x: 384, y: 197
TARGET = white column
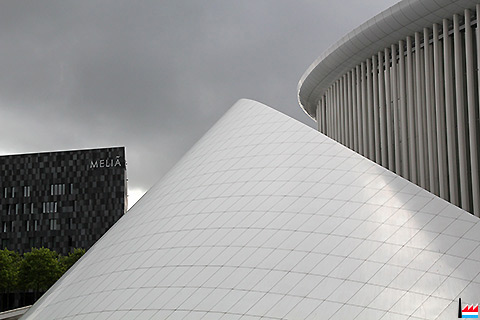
x: 332, y: 115
x: 327, y: 112
x: 324, y: 112
x: 430, y: 114
x: 350, y: 111
x: 461, y: 130
x: 396, y: 113
x: 353, y: 76
x: 376, y: 114
x: 411, y: 122
x: 472, y: 107
x: 358, y: 98
x: 317, y: 115
x: 364, y: 111
x: 424, y: 118
x: 320, y: 114
x: 420, y: 147
x: 403, y: 109
x: 344, y: 111
x: 382, y: 111
x: 337, y: 112
x: 450, y: 116
x: 330, y: 112
x: 334, y: 111
x: 389, y: 118
x: 369, y: 109
x: 340, y: 110
x: 440, y: 114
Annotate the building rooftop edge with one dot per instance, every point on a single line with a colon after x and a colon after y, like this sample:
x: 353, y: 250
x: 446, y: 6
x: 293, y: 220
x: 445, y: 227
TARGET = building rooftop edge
x: 58, y: 151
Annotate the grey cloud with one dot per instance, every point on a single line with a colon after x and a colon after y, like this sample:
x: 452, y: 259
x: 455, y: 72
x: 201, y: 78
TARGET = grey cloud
x: 153, y: 75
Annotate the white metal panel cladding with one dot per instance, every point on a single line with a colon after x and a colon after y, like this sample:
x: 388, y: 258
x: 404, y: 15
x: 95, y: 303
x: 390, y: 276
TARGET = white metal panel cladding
x: 424, y: 87
x: 266, y: 218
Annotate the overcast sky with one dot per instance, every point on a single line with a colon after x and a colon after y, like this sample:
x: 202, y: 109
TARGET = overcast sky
x: 154, y: 76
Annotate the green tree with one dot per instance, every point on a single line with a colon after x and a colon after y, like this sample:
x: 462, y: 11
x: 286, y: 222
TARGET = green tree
x: 9, y: 265
x: 67, y: 261
x: 39, y: 269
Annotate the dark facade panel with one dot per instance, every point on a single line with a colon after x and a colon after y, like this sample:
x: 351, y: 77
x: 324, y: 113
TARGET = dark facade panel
x: 61, y: 200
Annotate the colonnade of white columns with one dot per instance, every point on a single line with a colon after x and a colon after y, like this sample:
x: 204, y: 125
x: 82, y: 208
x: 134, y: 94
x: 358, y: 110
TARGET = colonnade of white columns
x: 414, y: 109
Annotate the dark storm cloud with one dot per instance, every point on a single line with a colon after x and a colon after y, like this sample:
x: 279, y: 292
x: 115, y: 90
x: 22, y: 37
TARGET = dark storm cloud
x: 153, y: 75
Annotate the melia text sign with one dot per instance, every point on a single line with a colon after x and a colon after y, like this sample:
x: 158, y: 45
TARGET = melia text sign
x: 106, y: 163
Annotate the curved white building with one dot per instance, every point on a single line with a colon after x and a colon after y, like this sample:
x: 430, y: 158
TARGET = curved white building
x: 403, y: 90
x: 265, y: 218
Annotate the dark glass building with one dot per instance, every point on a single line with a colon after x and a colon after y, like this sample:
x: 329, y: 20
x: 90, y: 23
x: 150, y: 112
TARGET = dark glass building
x: 61, y: 200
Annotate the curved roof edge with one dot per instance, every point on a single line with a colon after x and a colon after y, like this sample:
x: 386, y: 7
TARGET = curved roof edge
x: 386, y: 28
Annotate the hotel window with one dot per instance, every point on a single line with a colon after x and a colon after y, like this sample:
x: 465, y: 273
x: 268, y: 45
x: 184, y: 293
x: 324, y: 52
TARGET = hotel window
x: 27, y: 226
x: 31, y: 208
x: 17, y: 206
x: 4, y: 226
x: 12, y: 225
x: 57, y: 189
x: 49, y: 207
x: 35, y: 225
x: 53, y: 224
x: 7, y: 193
x: 26, y: 191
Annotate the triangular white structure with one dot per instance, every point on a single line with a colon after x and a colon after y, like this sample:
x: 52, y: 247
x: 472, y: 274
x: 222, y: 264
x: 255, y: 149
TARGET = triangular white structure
x: 268, y: 218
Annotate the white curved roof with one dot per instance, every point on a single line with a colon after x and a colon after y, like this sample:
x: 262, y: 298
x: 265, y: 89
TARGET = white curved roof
x: 266, y: 218
x: 396, y: 23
